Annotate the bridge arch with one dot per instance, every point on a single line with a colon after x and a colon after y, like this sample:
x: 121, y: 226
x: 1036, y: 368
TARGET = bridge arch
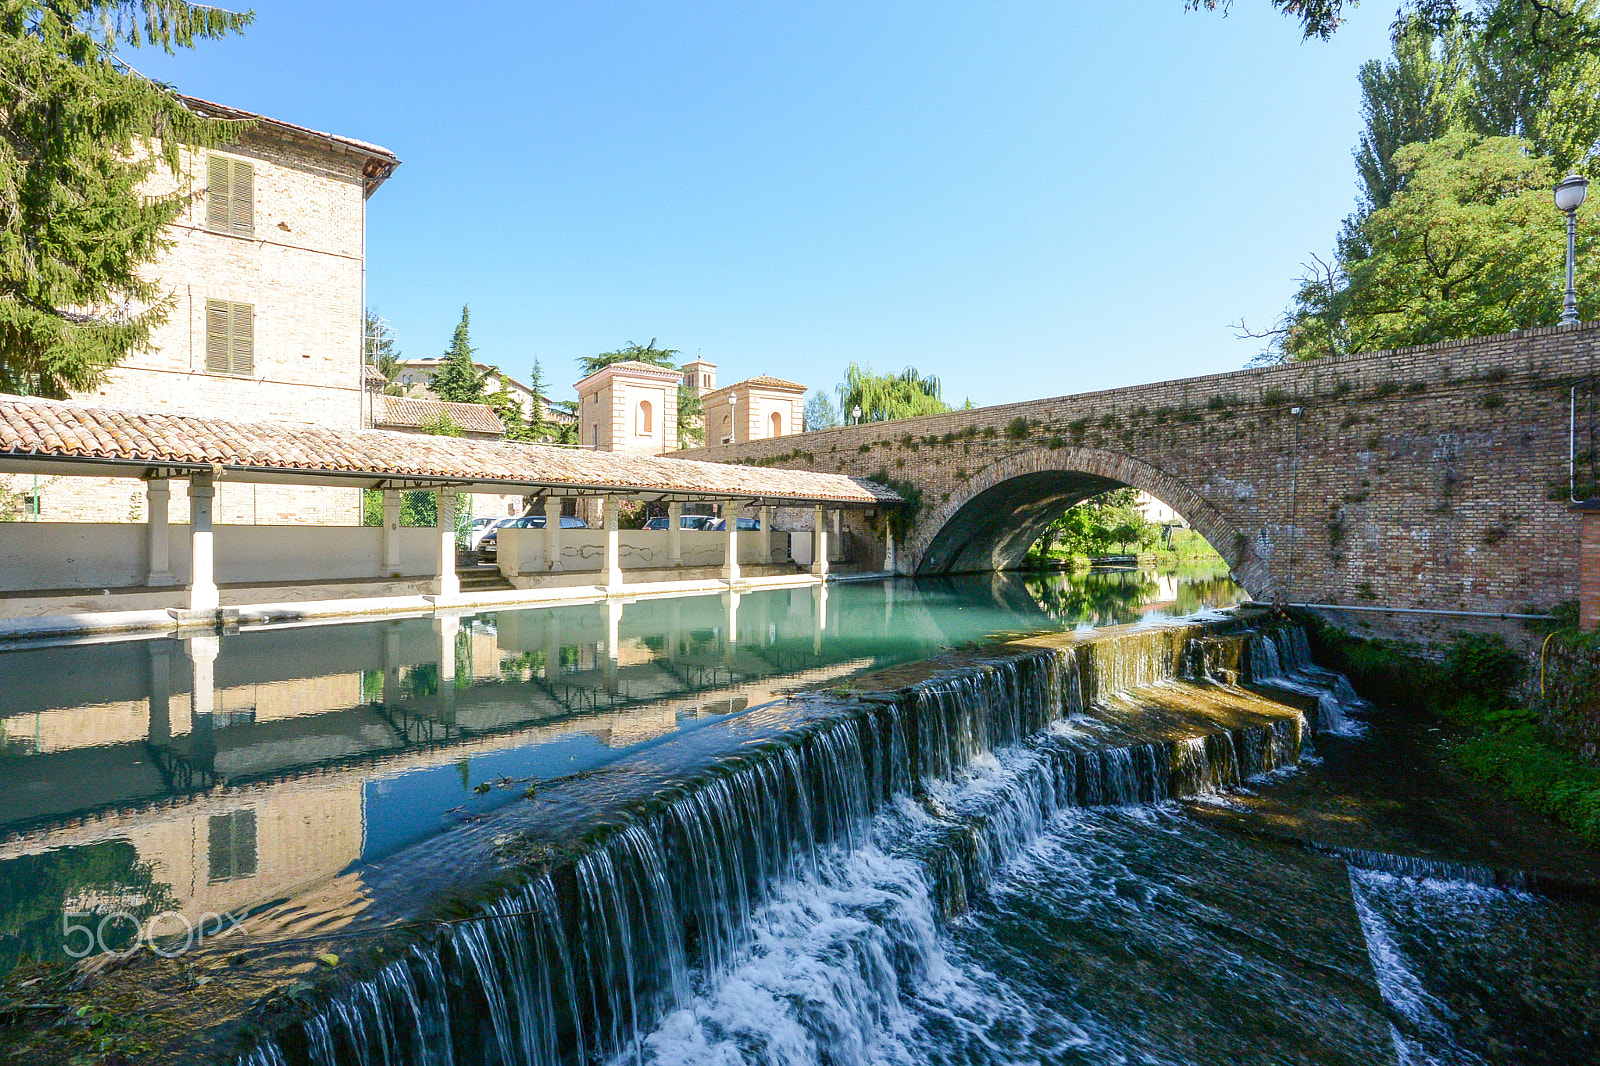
x: 1003, y: 508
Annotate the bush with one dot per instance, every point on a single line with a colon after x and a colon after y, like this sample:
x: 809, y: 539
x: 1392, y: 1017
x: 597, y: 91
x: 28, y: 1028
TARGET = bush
x: 1479, y: 664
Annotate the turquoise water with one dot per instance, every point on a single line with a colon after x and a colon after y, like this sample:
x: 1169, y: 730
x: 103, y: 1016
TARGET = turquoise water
x: 213, y: 774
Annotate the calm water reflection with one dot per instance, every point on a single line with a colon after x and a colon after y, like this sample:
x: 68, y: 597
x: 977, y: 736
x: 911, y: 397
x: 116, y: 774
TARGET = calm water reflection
x: 215, y: 773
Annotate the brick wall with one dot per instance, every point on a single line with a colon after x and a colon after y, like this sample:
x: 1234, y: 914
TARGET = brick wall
x: 301, y: 271
x: 1426, y: 477
x: 1589, y: 572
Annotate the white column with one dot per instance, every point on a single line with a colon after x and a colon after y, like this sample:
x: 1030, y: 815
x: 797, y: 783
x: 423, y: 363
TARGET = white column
x: 158, y: 544
x: 445, y: 531
x: 675, y: 534
x: 391, y: 532
x: 730, y: 522
x: 202, y: 584
x: 613, y: 545
x: 888, y: 544
x: 819, y: 545
x: 552, y: 532
x: 765, y: 539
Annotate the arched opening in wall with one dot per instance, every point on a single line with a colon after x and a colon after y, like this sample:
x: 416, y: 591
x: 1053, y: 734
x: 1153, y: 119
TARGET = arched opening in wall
x: 777, y: 424
x: 643, y: 423
x: 1063, y: 518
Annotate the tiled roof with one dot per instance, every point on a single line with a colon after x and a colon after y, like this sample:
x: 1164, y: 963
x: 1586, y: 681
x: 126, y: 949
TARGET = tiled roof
x: 403, y: 412
x: 762, y: 382
x: 373, y: 376
x: 632, y: 366
x: 78, y: 438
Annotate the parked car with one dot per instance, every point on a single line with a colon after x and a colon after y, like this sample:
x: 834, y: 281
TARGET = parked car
x: 480, y: 528
x: 745, y: 524
x: 688, y: 521
x: 490, y: 544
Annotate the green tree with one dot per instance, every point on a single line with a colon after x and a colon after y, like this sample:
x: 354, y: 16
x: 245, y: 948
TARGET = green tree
x: 1559, y: 30
x: 1469, y: 246
x: 80, y: 134
x: 691, y: 417
x: 537, y: 425
x: 458, y: 379
x: 1526, y: 83
x: 382, y: 353
x: 509, y: 409
x: 649, y: 354
x: 1417, y: 95
x: 819, y: 412
x: 884, y: 397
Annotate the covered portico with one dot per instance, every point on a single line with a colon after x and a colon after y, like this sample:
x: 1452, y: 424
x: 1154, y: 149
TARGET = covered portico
x: 199, y: 566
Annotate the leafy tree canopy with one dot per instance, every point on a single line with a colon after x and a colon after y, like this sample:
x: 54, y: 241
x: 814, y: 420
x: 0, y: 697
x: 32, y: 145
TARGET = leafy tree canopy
x: 458, y: 379
x: 667, y: 358
x: 1468, y: 125
x: 884, y: 397
x: 1558, y: 31
x: 819, y: 412
x: 80, y: 132
x: 1470, y: 245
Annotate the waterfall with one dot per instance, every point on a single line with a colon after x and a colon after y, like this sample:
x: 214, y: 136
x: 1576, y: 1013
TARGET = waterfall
x: 1281, y: 658
x: 580, y: 963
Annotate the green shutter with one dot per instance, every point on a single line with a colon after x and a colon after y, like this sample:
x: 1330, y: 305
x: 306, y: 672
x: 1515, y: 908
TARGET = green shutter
x: 244, y: 339
x: 218, y: 312
x: 219, y: 193
x: 230, y: 338
x: 242, y: 221
x: 230, y: 195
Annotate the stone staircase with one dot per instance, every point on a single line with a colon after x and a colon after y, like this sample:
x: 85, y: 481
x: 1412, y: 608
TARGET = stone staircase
x: 483, y: 579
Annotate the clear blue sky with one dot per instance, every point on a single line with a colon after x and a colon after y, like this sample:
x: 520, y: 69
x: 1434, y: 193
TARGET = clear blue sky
x: 1025, y: 199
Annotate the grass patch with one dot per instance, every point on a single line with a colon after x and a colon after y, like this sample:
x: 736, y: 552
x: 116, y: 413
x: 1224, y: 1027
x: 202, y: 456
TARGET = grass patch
x: 1516, y: 760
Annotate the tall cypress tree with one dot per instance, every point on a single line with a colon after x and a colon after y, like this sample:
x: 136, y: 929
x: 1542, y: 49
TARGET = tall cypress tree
x: 458, y: 379
x: 80, y: 133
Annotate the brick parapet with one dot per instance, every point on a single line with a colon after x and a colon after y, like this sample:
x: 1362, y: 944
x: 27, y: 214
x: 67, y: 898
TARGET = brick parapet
x: 1432, y: 476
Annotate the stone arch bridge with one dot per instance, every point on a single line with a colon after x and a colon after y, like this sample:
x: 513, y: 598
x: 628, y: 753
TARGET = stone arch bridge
x: 1431, y: 477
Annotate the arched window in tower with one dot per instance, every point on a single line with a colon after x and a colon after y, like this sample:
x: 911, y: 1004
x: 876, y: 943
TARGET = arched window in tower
x: 777, y: 424
x: 644, y: 422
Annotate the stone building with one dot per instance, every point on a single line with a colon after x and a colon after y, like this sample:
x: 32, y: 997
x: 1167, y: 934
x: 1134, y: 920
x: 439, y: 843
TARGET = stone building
x: 266, y: 268
x: 629, y: 407
x: 754, y: 409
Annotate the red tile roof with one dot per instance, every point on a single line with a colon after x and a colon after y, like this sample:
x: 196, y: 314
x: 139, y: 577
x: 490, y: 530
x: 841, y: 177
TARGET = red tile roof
x: 402, y: 412
x: 78, y: 439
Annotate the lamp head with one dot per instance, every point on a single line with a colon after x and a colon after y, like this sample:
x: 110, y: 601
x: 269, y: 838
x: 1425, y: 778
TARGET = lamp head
x: 1571, y: 192
x: 855, y: 412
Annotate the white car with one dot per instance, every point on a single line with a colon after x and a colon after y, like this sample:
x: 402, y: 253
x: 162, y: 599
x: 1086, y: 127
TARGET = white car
x: 480, y: 528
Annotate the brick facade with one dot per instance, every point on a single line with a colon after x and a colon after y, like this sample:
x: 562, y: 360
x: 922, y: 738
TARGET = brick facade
x: 1429, y: 477
x: 1589, y: 567
x: 301, y: 272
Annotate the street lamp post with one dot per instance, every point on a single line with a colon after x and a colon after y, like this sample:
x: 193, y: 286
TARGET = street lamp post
x: 1569, y: 197
x: 855, y: 414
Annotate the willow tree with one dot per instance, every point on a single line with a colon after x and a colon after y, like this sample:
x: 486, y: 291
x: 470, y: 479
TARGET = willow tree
x: 884, y: 397
x: 81, y: 132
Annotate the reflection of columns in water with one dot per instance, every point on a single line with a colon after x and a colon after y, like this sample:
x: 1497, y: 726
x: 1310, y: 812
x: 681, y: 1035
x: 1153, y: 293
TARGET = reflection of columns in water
x: 819, y: 603
x: 613, y: 640
x: 888, y: 604
x: 447, y: 626
x: 674, y: 629
x: 732, y: 600
x: 160, y: 653
x: 391, y: 664
x: 552, y: 644
x: 202, y: 743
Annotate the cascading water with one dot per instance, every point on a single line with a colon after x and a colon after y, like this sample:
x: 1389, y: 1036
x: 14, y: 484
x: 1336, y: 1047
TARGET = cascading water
x: 634, y: 951
x: 1281, y: 658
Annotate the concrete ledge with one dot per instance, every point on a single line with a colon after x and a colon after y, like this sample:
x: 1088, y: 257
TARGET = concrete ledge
x: 173, y: 620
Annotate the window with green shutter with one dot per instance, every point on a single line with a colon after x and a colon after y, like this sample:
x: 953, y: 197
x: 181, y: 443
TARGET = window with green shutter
x: 230, y: 195
x: 230, y: 337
